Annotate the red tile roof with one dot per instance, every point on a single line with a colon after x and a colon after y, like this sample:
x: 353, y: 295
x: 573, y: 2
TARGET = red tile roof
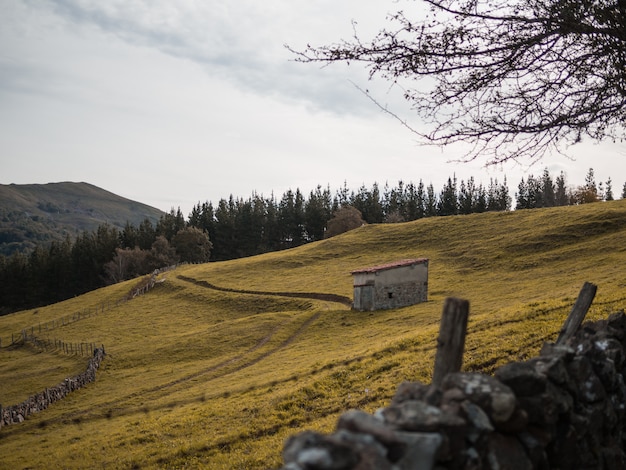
x: 394, y: 264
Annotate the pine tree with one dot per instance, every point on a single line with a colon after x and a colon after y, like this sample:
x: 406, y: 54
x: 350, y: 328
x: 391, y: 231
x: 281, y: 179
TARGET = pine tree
x: 59, y: 273
x: 15, y: 283
x: 466, y: 197
x: 589, y: 192
x: 504, y: 196
x: 481, y: 200
x: 548, y: 190
x: 608, y: 195
x: 369, y: 204
x: 420, y: 203
x: 343, y: 196
x: 393, y: 202
x: 170, y: 224
x: 248, y: 230
x: 271, y: 232
x: 522, y: 201
x: 317, y: 213
x: 535, y: 192
x: 225, y: 242
x: 447, y: 204
x: 291, y: 218
x: 129, y: 236
x: 203, y: 217
x: 146, y: 234
x: 414, y: 204
x: 498, y: 198
x: 560, y: 197
x: 430, y: 204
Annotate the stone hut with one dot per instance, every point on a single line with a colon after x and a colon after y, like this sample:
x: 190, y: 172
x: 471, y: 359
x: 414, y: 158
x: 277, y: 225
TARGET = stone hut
x: 391, y: 285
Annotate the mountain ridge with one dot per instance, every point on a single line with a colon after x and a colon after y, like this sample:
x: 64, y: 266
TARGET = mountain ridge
x: 32, y: 214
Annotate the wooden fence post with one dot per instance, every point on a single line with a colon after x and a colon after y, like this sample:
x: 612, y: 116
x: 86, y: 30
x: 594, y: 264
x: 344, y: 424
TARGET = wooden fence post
x: 451, y: 340
x: 578, y: 313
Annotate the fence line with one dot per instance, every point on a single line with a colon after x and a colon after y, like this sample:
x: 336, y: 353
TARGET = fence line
x: 145, y: 285
x: 55, y: 344
x: 40, y: 401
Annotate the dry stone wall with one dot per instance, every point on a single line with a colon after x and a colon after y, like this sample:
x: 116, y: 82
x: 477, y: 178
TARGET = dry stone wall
x: 40, y: 401
x: 564, y: 409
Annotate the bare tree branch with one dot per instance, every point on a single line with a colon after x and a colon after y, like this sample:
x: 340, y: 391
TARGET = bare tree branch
x: 516, y: 80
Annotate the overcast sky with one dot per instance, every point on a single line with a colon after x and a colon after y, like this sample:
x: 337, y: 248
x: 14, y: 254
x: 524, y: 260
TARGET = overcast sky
x: 175, y: 102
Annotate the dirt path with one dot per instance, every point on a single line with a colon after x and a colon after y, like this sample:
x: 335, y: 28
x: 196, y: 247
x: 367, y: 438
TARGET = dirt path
x: 120, y: 405
x: 240, y: 357
x: 301, y: 295
x: 117, y: 406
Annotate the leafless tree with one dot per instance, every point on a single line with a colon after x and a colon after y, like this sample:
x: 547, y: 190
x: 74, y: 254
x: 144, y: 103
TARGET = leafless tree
x: 515, y: 79
x: 343, y: 220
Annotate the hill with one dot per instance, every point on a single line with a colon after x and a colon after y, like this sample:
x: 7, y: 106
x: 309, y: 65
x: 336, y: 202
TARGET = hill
x: 201, y: 378
x: 31, y: 214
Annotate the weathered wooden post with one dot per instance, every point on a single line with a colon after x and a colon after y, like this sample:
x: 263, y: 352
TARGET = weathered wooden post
x: 578, y: 313
x: 451, y: 340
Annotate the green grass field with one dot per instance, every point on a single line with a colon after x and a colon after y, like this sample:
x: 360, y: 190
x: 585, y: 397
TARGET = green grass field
x: 199, y: 378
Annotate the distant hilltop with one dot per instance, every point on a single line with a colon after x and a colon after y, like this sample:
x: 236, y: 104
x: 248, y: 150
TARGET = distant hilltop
x: 31, y: 214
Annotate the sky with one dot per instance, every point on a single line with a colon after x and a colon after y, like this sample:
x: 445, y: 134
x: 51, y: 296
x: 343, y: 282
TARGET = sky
x: 176, y: 102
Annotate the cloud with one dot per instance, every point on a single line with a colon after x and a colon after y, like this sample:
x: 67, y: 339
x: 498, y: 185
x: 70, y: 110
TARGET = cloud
x: 241, y: 42
x: 202, y: 100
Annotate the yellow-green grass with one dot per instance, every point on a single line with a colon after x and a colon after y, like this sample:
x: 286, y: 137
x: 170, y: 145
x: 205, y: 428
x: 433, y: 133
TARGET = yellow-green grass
x: 198, y: 378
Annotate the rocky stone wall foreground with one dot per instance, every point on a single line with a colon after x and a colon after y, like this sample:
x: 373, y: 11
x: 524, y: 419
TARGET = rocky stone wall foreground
x: 41, y: 401
x: 562, y: 410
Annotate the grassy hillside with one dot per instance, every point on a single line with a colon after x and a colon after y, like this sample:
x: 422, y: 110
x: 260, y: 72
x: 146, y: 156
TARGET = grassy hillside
x: 199, y: 378
x: 36, y: 213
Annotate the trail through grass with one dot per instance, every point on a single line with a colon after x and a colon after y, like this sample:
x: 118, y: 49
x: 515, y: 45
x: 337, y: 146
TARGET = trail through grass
x: 201, y: 378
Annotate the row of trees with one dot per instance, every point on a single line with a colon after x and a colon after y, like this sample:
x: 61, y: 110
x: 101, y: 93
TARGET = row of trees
x: 243, y: 227
x: 545, y: 191
x: 94, y: 259
x: 236, y: 228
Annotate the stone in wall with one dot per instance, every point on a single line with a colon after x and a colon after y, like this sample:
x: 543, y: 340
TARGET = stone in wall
x: 40, y: 401
x: 564, y: 409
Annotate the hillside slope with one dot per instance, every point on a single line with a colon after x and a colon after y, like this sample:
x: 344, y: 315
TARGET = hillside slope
x: 201, y: 378
x: 40, y: 213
